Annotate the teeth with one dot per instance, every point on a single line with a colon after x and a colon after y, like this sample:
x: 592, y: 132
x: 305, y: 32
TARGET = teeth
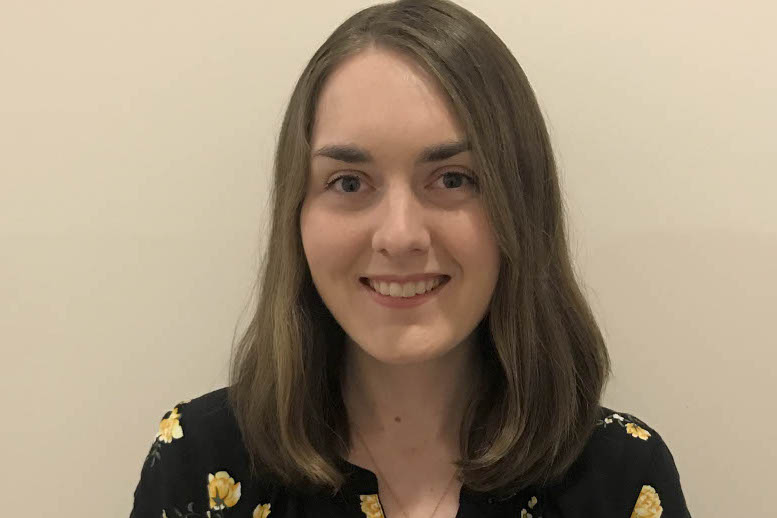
x: 409, y: 289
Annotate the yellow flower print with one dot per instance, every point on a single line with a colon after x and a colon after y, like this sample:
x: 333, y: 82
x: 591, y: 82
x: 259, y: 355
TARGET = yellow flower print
x: 532, y: 502
x: 223, y: 490
x: 170, y: 427
x: 525, y: 514
x: 262, y: 511
x: 648, y: 504
x: 629, y: 423
x: 371, y: 506
x: 637, y: 431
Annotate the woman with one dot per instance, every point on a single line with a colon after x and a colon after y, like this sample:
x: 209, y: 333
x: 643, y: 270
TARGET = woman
x: 420, y: 346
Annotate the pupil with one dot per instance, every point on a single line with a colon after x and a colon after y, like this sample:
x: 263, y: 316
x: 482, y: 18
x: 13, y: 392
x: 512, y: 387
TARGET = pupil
x: 352, y: 181
x: 456, y: 183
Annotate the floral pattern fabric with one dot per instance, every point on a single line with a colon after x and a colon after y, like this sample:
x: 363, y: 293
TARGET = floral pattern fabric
x: 648, y: 504
x: 630, y: 423
x: 191, y: 471
x: 371, y: 506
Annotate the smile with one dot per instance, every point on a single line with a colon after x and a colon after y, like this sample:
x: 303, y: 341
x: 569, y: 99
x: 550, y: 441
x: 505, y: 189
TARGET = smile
x: 407, y: 289
x: 393, y: 294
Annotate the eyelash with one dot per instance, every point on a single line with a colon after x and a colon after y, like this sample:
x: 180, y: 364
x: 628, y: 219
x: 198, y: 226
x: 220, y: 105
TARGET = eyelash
x: 472, y: 181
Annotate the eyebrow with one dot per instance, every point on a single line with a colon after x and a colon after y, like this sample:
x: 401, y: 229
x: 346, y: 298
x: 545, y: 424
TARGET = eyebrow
x: 353, y: 154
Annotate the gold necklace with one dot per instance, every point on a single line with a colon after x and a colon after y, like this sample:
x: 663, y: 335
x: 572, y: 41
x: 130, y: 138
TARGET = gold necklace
x: 388, y: 486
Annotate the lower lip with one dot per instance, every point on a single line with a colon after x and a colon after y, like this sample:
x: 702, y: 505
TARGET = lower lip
x: 404, y: 302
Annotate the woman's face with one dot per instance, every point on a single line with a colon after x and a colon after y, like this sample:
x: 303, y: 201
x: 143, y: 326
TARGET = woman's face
x: 395, y: 212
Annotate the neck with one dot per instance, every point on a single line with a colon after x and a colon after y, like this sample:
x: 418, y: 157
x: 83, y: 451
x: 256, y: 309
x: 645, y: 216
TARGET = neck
x: 409, y: 407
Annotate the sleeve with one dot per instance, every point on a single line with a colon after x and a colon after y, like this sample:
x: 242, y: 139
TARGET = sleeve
x: 661, y: 494
x: 166, y: 486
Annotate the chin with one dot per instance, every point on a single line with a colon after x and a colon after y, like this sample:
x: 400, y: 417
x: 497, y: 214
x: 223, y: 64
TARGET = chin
x: 404, y: 359
x: 406, y: 355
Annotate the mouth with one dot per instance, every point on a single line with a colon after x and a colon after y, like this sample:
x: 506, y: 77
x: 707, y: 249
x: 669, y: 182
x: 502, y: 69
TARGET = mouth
x: 443, y: 280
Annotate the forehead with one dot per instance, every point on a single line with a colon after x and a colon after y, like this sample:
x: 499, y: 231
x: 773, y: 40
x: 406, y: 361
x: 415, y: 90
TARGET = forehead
x: 382, y: 99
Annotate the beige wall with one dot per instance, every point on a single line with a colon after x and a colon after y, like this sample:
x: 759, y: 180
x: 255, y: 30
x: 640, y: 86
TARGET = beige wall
x: 136, y: 144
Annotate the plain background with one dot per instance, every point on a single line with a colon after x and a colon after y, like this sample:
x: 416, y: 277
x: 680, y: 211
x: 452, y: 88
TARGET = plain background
x: 137, y: 140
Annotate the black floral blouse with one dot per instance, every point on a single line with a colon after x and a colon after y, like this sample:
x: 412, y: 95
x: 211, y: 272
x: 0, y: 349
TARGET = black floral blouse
x: 197, y: 467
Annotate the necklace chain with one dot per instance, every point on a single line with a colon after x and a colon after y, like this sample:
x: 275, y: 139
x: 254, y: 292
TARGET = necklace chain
x: 388, y: 486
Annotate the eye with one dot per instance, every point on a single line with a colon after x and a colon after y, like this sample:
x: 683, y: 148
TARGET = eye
x: 453, y: 180
x: 350, y: 183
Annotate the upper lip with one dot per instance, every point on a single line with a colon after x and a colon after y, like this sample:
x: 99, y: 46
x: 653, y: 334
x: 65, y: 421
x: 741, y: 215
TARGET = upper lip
x: 405, y: 278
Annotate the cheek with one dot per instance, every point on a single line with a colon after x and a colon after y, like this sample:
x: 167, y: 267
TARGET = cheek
x: 474, y: 242
x: 314, y: 239
x: 329, y: 241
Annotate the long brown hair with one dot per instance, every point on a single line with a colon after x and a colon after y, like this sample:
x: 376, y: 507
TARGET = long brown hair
x: 544, y: 356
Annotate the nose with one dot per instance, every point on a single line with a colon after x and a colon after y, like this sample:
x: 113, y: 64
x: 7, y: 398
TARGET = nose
x: 400, y: 226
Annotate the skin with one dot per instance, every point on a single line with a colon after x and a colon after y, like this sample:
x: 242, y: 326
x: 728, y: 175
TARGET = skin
x: 407, y: 371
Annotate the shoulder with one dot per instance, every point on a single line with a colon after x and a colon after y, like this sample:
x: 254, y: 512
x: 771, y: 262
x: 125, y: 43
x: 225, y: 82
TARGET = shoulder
x: 193, y: 423
x: 197, y: 453
x: 619, y: 441
x: 620, y: 437
x: 208, y: 429
x: 206, y: 415
x: 625, y: 461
